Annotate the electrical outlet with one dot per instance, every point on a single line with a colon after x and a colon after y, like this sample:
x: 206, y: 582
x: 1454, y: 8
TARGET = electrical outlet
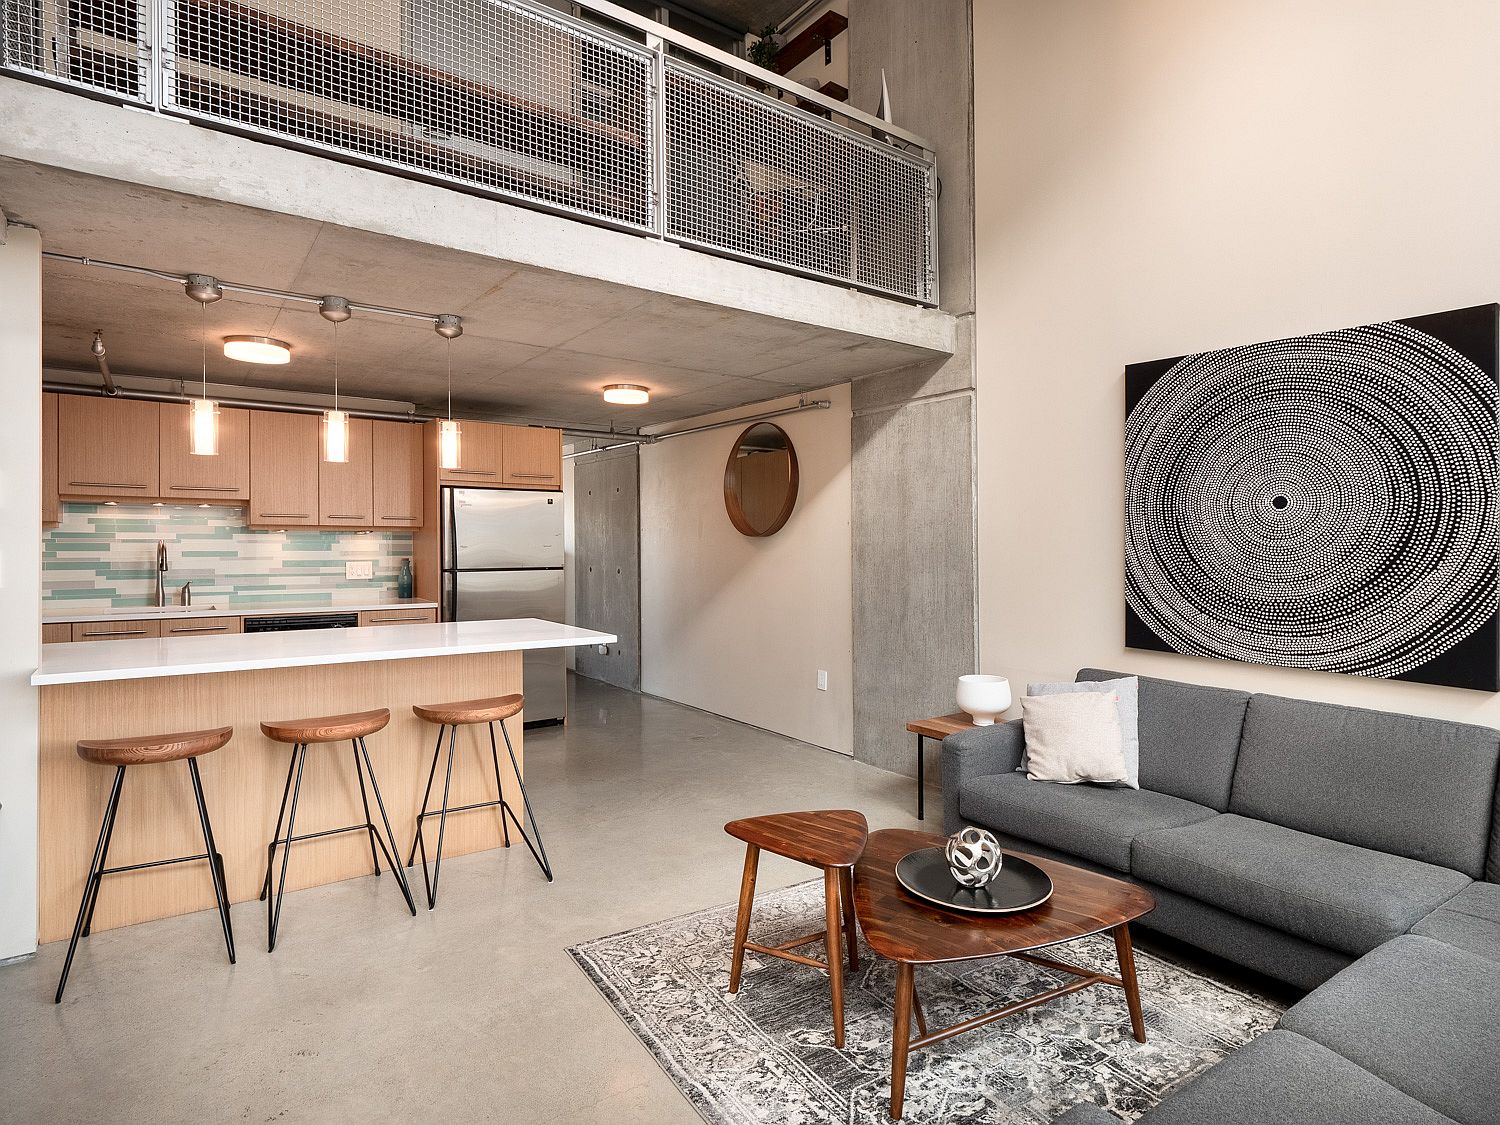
x: 364, y: 569
x: 822, y: 680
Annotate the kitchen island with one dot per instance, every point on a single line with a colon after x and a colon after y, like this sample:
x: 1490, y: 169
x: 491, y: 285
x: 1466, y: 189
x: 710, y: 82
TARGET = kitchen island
x: 117, y: 688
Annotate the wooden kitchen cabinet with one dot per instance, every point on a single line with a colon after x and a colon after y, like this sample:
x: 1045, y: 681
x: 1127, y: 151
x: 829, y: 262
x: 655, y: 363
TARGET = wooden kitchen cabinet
x: 223, y: 477
x: 108, y: 447
x: 398, y: 617
x: 531, y: 457
x: 284, y: 459
x: 200, y: 626
x: 479, y: 456
x: 56, y: 633
x: 51, y: 505
x: 345, y: 488
x: 397, y: 492
x: 115, y: 630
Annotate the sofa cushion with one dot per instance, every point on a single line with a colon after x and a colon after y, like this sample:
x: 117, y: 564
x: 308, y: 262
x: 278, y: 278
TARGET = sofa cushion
x: 1420, y: 788
x: 1189, y: 737
x: 1469, y: 920
x: 1283, y: 1079
x: 1421, y: 1015
x: 1336, y: 894
x: 1091, y: 821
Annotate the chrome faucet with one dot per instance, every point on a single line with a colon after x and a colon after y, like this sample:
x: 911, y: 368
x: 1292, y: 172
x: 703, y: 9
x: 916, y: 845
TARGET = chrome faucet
x: 161, y: 569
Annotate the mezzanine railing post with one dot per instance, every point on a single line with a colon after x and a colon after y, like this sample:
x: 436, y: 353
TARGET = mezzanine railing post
x: 658, y: 48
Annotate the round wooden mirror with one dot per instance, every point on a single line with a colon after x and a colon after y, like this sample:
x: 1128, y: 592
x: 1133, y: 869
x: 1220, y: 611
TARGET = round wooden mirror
x: 760, y: 480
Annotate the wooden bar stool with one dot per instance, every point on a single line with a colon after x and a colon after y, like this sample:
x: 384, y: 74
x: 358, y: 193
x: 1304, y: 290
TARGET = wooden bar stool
x: 831, y: 839
x: 123, y: 753
x: 302, y: 733
x: 449, y: 717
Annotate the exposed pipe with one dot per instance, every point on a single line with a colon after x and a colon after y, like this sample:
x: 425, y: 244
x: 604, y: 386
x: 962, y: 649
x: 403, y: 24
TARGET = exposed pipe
x: 97, y: 347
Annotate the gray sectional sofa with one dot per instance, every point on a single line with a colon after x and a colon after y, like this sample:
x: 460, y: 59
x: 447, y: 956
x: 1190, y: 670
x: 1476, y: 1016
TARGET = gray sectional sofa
x: 1348, y: 852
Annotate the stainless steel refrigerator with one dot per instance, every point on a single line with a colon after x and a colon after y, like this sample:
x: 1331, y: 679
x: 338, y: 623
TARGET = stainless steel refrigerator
x: 503, y: 558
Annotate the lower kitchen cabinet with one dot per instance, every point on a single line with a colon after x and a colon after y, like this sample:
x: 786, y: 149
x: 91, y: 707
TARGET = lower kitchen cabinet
x: 199, y: 626
x: 398, y: 617
x: 115, y: 630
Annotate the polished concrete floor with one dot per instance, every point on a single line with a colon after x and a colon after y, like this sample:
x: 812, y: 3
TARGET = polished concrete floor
x: 470, y: 1012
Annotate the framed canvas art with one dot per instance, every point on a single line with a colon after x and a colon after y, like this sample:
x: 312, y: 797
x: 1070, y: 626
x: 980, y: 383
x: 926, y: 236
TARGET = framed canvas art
x: 1323, y: 502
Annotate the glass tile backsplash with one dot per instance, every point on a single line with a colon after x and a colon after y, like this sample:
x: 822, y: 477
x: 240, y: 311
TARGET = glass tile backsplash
x: 103, y: 555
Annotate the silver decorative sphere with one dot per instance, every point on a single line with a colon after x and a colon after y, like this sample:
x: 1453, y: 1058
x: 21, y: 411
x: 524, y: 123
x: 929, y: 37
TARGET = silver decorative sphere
x: 974, y: 856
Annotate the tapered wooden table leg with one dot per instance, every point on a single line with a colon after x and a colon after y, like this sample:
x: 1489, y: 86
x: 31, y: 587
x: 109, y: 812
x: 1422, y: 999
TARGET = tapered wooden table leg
x: 901, y: 1037
x: 834, y: 942
x: 1126, y: 953
x: 851, y: 934
x: 742, y: 921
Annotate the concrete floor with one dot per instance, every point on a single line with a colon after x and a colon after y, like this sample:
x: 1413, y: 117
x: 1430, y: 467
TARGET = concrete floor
x: 470, y: 1012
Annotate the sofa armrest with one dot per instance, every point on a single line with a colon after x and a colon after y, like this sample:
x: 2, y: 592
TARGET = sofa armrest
x: 1086, y: 1113
x: 976, y: 753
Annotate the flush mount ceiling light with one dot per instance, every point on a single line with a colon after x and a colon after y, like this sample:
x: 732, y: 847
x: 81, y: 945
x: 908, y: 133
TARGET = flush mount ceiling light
x: 257, y: 349
x: 627, y: 394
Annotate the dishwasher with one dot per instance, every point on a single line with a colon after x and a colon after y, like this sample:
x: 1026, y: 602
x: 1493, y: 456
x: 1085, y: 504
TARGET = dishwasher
x: 286, y: 622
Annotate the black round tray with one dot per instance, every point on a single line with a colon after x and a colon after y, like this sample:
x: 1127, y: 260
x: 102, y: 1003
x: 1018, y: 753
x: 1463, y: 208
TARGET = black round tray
x: 1020, y: 885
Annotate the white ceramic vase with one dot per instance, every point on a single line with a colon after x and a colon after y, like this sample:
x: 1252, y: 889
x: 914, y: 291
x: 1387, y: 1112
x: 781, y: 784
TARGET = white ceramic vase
x: 984, y: 698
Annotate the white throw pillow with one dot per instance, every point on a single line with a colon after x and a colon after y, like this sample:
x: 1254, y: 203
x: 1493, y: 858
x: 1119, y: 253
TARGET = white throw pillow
x: 1073, y: 737
x: 1128, y: 690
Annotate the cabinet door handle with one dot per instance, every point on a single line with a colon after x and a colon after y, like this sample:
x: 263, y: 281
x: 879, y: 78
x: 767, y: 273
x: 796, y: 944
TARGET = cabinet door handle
x: 102, y: 484
x: 114, y: 632
x: 204, y: 487
x: 338, y: 516
x: 395, y: 620
x: 197, y: 629
x: 283, y: 516
x: 534, y: 476
x: 466, y: 472
x: 401, y: 519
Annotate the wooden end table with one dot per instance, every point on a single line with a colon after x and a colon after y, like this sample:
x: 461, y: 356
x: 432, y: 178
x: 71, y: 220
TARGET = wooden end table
x: 910, y: 932
x: 831, y: 839
x: 938, y: 728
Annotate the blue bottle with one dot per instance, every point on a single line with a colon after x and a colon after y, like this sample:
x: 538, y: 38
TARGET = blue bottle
x: 404, y: 580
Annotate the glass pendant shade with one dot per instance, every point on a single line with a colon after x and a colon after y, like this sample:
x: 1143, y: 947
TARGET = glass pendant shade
x: 448, y: 451
x: 336, y: 436
x: 205, y: 427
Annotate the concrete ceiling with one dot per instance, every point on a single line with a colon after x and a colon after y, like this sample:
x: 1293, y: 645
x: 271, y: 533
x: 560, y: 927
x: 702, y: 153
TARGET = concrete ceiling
x: 538, y: 345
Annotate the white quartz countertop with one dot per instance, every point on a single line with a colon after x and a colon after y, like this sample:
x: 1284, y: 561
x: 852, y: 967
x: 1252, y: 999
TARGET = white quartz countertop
x: 148, y: 658
x: 220, y: 607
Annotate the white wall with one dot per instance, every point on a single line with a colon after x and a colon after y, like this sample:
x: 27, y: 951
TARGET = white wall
x: 740, y: 626
x: 1158, y: 177
x: 20, y: 581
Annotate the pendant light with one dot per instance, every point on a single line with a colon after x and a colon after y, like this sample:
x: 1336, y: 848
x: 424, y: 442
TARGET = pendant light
x: 335, y: 421
x: 205, y: 411
x: 448, y: 437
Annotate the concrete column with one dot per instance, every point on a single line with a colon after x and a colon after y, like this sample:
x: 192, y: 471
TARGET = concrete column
x: 20, y: 581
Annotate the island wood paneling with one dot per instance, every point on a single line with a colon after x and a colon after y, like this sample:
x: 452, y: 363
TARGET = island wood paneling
x: 243, y: 782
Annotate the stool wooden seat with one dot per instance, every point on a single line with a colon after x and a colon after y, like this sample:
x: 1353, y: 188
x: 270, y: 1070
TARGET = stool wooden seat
x: 328, y: 728
x: 470, y: 711
x: 831, y: 839
x: 153, y: 747
x: 449, y: 717
x: 144, y: 750
x: 302, y: 733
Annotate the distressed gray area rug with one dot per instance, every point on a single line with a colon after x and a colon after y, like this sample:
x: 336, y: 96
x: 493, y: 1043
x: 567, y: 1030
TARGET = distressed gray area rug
x: 767, y: 1055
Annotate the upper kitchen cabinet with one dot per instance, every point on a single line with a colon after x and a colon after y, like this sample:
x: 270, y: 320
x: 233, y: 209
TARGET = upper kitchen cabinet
x: 51, y: 505
x: 284, y: 458
x: 108, y: 447
x: 224, y: 477
x: 479, y: 458
x: 398, y: 474
x: 531, y: 457
x: 345, y: 488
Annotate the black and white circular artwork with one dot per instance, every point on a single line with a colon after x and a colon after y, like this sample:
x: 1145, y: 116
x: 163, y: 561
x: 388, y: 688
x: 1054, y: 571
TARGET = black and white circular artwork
x: 1323, y: 502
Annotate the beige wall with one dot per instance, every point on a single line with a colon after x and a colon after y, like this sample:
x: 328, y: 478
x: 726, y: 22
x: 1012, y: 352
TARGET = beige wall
x: 1157, y: 177
x: 740, y: 626
x: 20, y: 581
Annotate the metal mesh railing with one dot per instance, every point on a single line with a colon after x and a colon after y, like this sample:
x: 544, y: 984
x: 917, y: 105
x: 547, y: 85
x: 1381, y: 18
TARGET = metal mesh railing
x: 510, y: 97
x: 764, y: 180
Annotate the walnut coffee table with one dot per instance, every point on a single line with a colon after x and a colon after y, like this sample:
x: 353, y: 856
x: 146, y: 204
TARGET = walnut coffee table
x: 909, y: 932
